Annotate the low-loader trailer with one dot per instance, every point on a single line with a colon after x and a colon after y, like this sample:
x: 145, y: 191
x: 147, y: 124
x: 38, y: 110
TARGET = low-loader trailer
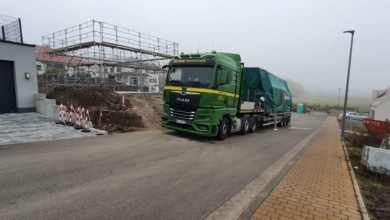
x: 213, y: 95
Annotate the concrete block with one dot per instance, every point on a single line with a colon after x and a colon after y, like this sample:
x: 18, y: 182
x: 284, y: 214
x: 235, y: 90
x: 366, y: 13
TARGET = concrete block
x: 376, y: 159
x: 43, y: 105
x: 40, y: 96
x: 55, y: 111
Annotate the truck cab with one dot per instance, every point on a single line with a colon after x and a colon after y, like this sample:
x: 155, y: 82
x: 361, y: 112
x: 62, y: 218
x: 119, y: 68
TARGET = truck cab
x: 201, y: 93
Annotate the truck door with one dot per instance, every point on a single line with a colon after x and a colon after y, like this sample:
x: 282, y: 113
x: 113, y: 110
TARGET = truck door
x: 224, y: 82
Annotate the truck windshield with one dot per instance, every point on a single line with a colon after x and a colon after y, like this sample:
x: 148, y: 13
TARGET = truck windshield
x: 189, y: 76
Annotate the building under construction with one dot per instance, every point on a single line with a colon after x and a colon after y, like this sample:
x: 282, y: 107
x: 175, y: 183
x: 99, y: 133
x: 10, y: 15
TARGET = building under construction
x: 100, y: 53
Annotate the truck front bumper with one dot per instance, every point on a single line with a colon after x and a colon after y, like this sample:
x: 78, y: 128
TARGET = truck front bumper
x: 192, y: 127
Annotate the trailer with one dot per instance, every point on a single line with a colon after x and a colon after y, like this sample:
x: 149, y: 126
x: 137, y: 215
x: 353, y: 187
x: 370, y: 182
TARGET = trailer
x: 213, y: 95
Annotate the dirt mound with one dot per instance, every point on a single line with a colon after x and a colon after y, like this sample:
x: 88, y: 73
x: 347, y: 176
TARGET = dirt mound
x: 110, y: 111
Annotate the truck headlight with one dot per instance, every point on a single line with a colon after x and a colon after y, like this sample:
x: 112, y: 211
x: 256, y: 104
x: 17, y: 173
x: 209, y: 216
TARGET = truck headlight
x: 204, y: 118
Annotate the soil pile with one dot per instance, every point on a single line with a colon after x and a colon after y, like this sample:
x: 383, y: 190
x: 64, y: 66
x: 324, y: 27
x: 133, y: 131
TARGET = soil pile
x: 110, y: 111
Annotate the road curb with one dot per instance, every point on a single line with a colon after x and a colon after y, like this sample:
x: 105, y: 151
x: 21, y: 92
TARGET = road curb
x: 356, y: 186
x: 243, y: 203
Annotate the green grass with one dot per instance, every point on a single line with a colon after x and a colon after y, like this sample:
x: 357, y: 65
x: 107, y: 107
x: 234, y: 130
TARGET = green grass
x: 374, y: 187
x: 362, y: 104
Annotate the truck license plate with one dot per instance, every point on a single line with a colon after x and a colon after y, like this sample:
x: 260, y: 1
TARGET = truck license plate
x: 179, y: 121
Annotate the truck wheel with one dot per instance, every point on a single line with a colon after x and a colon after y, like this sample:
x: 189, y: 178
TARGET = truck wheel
x: 246, y: 124
x: 223, y: 129
x: 254, y: 124
x: 279, y: 124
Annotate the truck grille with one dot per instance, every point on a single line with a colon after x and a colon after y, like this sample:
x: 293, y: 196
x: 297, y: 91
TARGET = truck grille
x: 182, y: 114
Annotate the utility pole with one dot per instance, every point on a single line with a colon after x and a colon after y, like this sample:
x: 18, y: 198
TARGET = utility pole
x: 352, y: 32
x: 338, y: 103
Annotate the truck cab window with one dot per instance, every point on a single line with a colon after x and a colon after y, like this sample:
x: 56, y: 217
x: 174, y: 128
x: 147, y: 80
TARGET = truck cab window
x: 196, y: 76
x: 229, y: 77
x: 223, y: 76
x: 174, y: 74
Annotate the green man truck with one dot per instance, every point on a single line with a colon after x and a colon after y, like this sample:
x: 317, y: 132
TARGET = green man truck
x: 213, y: 95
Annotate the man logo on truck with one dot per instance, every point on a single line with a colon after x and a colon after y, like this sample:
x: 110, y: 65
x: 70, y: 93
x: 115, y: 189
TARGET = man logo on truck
x: 182, y: 99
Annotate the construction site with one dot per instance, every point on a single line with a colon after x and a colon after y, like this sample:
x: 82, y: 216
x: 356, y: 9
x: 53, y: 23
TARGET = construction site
x: 114, y: 72
x: 99, y: 53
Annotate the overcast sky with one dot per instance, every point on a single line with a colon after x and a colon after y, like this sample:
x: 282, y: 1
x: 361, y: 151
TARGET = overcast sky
x: 302, y: 40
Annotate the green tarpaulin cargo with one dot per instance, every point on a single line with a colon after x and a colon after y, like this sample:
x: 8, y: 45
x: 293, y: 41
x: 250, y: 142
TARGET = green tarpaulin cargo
x: 259, y: 85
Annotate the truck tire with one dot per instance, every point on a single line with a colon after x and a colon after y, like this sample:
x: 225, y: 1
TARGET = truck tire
x: 245, y: 124
x: 223, y: 129
x: 254, y: 124
x: 279, y: 124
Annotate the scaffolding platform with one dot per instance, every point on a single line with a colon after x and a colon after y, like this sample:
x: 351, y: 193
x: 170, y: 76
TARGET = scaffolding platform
x: 99, y: 50
x: 98, y: 43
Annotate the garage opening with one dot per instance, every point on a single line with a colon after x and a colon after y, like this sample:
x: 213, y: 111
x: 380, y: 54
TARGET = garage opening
x: 7, y: 87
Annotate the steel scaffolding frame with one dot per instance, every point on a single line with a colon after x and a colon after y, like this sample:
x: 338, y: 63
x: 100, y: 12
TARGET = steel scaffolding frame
x: 98, y: 43
x: 100, y: 46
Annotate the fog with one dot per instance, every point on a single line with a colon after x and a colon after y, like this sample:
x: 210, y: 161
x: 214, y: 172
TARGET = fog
x: 301, y: 40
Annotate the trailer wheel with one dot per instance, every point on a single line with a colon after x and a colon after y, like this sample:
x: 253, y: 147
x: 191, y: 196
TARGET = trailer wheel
x: 254, y: 124
x: 246, y: 124
x: 279, y: 123
x: 286, y: 122
x: 223, y: 129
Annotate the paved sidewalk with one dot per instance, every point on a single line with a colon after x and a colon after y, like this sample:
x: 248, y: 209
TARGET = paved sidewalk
x: 318, y: 185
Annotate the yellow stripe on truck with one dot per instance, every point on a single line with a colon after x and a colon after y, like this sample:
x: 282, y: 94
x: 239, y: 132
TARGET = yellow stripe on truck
x: 193, y: 89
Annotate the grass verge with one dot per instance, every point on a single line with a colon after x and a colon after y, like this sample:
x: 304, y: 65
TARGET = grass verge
x: 374, y: 187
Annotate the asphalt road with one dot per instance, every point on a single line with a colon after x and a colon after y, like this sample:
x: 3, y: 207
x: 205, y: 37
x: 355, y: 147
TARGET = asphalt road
x: 145, y: 175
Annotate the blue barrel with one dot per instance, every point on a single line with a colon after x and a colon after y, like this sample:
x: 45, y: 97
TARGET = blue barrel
x: 299, y: 108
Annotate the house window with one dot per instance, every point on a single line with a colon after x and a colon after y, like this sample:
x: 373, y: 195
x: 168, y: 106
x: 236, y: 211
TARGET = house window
x: 39, y: 67
x: 111, y: 69
x: 58, y: 65
x: 119, y: 69
x: 152, y: 80
x: 134, y: 81
x: 79, y: 70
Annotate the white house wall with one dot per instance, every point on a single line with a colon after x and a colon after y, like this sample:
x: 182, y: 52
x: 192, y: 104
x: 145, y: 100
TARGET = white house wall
x: 153, y: 86
x: 382, y: 111
x: 23, y: 56
x: 43, y: 67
